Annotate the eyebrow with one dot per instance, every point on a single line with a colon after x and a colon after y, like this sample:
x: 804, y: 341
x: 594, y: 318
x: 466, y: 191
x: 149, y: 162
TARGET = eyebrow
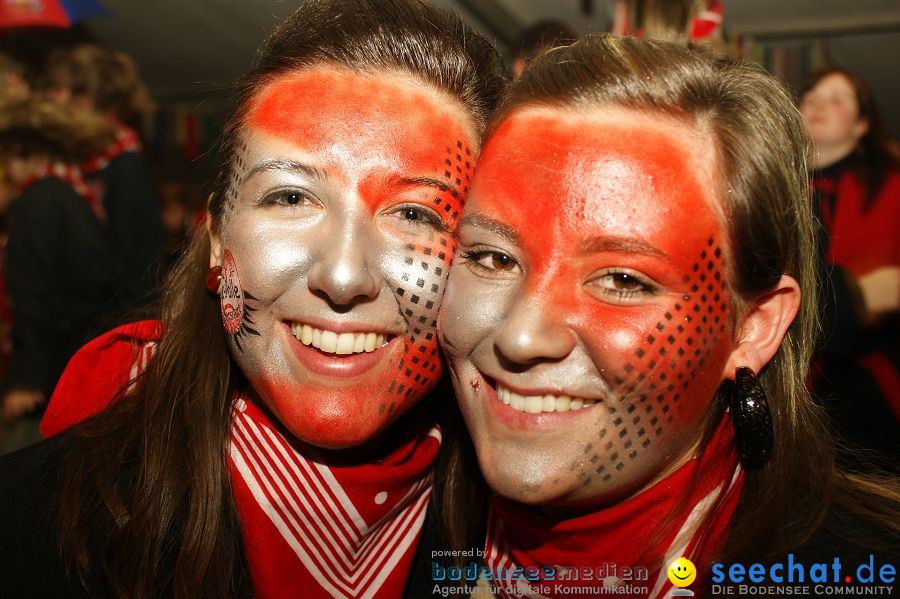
x: 625, y: 245
x: 291, y: 166
x: 494, y: 226
x: 425, y: 181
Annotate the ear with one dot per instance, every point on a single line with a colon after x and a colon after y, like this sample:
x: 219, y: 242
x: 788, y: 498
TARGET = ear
x: 763, y: 325
x: 215, y: 242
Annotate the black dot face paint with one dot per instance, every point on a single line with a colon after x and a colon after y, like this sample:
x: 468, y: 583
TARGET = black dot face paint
x: 668, y: 360
x: 427, y: 265
x: 601, y: 336
x: 341, y: 249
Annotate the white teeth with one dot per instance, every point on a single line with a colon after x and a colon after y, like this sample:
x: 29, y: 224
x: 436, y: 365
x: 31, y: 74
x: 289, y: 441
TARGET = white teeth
x: 337, y: 343
x: 329, y: 341
x: 344, y: 344
x: 534, y: 404
x: 548, y: 404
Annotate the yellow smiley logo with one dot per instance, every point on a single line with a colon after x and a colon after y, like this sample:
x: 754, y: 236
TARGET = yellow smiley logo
x: 682, y: 572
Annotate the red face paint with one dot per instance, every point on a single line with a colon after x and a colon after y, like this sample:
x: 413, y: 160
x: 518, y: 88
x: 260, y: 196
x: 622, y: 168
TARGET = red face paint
x: 592, y: 271
x: 345, y: 202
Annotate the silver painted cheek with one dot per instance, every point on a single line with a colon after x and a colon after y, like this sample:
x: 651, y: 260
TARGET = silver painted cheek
x: 270, y: 258
x: 417, y: 275
x: 473, y: 310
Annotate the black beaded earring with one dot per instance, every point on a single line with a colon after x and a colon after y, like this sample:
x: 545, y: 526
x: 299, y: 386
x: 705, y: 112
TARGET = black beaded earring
x: 750, y: 417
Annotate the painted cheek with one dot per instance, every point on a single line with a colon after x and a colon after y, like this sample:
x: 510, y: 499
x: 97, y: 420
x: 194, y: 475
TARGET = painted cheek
x: 237, y: 313
x: 421, y: 284
x: 656, y: 379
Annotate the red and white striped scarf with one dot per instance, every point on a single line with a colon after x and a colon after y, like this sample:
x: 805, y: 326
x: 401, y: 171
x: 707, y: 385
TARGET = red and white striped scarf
x: 126, y: 140
x: 327, y: 530
x: 71, y: 174
x: 310, y: 525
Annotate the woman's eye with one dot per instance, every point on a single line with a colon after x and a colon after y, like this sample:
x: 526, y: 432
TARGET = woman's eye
x: 418, y: 215
x: 624, y: 285
x: 491, y: 261
x: 624, y: 282
x: 288, y: 197
x: 412, y: 214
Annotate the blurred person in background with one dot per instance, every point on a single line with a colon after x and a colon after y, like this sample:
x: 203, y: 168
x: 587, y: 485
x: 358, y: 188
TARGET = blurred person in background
x: 58, y: 271
x: 856, y: 193
x: 13, y: 83
x: 680, y: 21
x: 107, y: 83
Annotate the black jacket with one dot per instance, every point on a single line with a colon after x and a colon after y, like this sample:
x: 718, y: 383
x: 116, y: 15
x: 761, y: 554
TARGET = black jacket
x: 135, y: 225
x: 59, y: 281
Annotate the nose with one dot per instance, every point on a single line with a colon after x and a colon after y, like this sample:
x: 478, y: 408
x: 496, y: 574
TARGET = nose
x: 341, y: 273
x: 810, y: 103
x: 534, y: 331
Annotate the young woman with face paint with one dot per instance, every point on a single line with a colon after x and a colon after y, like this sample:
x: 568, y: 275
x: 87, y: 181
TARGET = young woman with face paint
x: 634, y: 276
x: 263, y: 439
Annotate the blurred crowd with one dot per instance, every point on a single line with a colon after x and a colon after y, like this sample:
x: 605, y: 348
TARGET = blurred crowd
x: 82, y: 232
x: 84, y: 226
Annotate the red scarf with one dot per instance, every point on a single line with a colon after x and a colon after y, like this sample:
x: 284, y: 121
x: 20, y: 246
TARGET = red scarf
x: 607, y: 541
x: 126, y: 140
x: 71, y: 174
x: 330, y: 530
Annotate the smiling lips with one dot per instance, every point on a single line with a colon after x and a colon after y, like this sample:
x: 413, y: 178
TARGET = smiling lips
x: 534, y: 404
x: 338, y: 343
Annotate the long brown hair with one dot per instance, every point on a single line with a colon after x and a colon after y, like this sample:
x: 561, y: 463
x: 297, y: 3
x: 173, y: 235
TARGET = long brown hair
x: 876, y: 151
x: 761, y: 151
x: 155, y: 461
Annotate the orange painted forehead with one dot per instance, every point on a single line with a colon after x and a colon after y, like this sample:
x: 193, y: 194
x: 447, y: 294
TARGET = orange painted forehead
x: 610, y: 172
x: 341, y: 114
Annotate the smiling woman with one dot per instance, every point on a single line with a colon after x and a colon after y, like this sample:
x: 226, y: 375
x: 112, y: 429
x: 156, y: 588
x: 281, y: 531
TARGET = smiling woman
x: 628, y: 325
x: 337, y: 243
x: 263, y: 437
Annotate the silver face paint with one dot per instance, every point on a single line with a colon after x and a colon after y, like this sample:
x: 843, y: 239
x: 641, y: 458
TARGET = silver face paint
x: 341, y: 234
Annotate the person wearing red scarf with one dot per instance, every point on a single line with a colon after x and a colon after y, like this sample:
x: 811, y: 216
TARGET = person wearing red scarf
x: 57, y: 261
x: 107, y: 84
x: 628, y: 329
x: 271, y: 436
x: 856, y: 193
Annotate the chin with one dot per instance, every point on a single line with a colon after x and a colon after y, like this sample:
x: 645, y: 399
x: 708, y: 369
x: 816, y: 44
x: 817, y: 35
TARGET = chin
x: 339, y: 431
x: 529, y: 488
